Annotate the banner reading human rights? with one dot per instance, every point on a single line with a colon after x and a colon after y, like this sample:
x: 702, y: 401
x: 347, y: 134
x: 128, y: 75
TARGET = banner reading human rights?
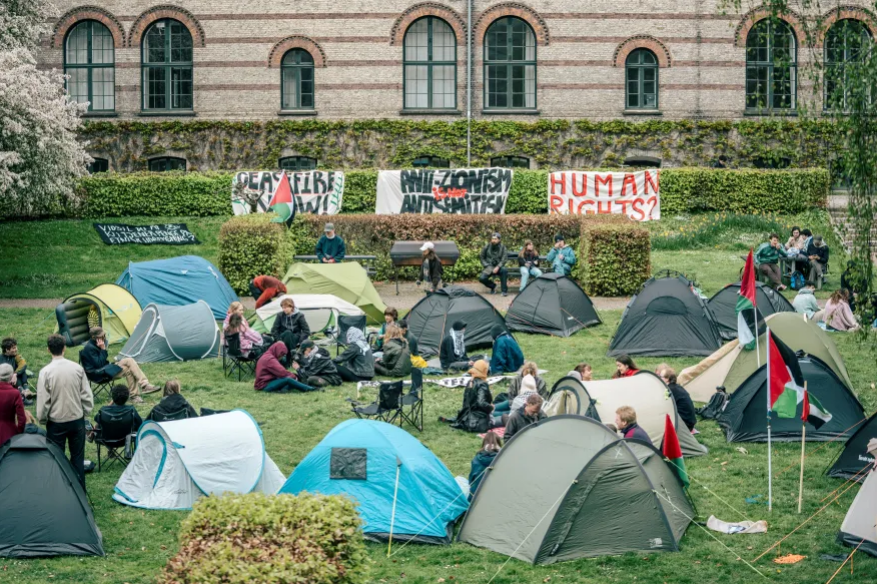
x: 315, y: 191
x: 478, y: 191
x: 635, y: 194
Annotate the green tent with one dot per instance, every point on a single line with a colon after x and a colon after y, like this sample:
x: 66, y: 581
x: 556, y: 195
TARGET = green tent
x: 578, y: 491
x: 348, y: 281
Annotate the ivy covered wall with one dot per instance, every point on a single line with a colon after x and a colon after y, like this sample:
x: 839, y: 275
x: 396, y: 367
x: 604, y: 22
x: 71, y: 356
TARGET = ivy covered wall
x: 551, y: 144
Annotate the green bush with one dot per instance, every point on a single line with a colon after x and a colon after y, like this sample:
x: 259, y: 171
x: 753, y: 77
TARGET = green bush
x: 616, y: 257
x: 249, y: 246
x: 262, y: 539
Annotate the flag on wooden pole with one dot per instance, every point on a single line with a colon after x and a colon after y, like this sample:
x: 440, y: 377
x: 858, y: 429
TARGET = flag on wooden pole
x: 673, y: 452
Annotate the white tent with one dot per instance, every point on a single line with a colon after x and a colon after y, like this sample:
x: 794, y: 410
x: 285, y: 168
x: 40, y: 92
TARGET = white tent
x: 320, y: 310
x: 176, y: 463
x: 859, y: 528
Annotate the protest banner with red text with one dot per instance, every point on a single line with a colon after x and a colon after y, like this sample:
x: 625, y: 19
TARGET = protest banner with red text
x: 635, y: 194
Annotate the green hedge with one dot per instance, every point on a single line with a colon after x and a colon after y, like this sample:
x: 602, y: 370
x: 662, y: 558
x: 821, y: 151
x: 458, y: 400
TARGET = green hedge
x: 261, y: 539
x: 683, y: 190
x: 250, y: 246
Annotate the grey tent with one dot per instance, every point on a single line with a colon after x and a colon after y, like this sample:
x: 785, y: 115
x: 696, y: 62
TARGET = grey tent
x: 666, y: 319
x: 577, y: 491
x: 858, y: 529
x: 552, y: 305
x: 43, y: 510
x: 855, y: 459
x: 744, y: 418
x: 723, y: 305
x: 431, y: 319
x: 174, y: 333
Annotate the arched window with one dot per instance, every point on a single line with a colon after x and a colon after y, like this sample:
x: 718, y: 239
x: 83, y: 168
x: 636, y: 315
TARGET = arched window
x: 431, y: 162
x: 510, y: 161
x: 846, y: 47
x: 642, y: 80
x: 429, y: 55
x: 90, y: 63
x: 771, y: 63
x: 99, y: 165
x: 167, y: 66
x: 642, y: 162
x: 510, y: 65
x: 298, y: 163
x: 297, y: 80
x: 167, y: 163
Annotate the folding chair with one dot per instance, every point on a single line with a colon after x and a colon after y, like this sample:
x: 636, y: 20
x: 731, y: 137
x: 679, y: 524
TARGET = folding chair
x: 413, y: 401
x: 100, y: 382
x: 234, y: 360
x: 387, y: 408
x: 338, y: 335
x: 115, y: 433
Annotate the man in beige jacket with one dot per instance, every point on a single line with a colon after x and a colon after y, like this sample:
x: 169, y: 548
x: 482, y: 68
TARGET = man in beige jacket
x: 64, y: 398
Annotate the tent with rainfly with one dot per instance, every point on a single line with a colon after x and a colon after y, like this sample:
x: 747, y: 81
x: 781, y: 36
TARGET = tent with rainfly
x: 645, y: 392
x: 348, y: 281
x: 108, y: 306
x: 569, y: 488
x: 552, y: 305
x: 854, y: 459
x: 723, y: 305
x: 859, y: 527
x: 320, y: 310
x: 177, y: 282
x: 364, y: 460
x: 174, y: 333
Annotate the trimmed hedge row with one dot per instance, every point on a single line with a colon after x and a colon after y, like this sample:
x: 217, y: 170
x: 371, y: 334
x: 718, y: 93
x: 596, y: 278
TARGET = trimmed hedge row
x: 683, y: 190
x: 251, y: 245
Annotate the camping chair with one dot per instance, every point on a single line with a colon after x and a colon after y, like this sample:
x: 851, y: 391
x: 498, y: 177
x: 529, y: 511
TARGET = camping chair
x: 100, y: 383
x: 338, y: 336
x: 413, y: 401
x: 387, y: 408
x: 117, y: 434
x: 234, y: 360
x: 158, y: 415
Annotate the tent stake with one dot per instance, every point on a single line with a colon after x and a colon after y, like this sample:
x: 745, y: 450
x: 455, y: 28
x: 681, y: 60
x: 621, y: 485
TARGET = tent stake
x: 393, y: 514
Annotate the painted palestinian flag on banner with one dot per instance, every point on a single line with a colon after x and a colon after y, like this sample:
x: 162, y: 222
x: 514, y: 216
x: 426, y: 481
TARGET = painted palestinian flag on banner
x: 813, y: 413
x: 673, y: 452
x: 746, y: 321
x: 784, y: 377
x: 283, y: 203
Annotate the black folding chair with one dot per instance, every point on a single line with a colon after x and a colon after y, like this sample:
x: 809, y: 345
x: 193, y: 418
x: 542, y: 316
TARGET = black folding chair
x: 387, y: 408
x: 100, y: 382
x: 345, y: 323
x: 158, y: 415
x: 233, y: 360
x: 117, y: 435
x: 412, y: 402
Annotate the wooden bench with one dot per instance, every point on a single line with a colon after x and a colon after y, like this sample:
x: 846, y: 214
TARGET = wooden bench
x: 368, y: 260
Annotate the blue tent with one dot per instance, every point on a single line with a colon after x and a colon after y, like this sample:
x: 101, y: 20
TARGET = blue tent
x: 178, y: 282
x: 358, y: 458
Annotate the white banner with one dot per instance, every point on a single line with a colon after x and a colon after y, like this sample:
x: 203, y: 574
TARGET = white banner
x: 315, y: 191
x: 477, y: 191
x: 635, y: 194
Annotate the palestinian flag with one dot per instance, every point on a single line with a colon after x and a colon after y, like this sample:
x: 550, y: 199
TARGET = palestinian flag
x: 813, y: 413
x: 746, y: 330
x: 283, y: 203
x: 784, y: 377
x: 672, y: 452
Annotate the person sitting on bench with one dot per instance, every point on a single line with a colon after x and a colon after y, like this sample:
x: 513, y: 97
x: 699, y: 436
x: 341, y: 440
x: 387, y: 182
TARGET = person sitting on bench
x: 493, y: 258
x: 817, y: 253
x: 330, y: 248
x: 767, y: 260
x: 265, y: 288
x: 94, y: 359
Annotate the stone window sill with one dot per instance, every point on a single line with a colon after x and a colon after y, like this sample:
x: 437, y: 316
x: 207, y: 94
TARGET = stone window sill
x: 100, y: 115
x: 167, y: 114
x: 430, y: 112
x: 642, y: 112
x: 297, y: 112
x: 510, y: 112
x: 771, y: 113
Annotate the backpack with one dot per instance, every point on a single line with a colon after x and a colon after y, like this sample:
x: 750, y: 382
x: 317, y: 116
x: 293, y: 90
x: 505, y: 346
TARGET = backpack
x: 796, y: 280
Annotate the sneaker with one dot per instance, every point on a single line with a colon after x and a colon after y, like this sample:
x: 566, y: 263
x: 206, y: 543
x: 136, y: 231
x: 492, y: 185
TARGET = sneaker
x: 493, y: 290
x: 149, y: 389
x: 505, y: 293
x: 136, y: 400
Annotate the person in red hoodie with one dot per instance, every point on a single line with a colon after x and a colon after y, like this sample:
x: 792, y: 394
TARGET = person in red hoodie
x: 12, y: 416
x: 271, y: 375
x: 264, y: 288
x: 624, y: 367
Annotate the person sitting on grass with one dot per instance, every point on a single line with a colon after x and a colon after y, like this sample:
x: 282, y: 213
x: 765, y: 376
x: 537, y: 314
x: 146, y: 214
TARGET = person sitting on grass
x: 11, y: 356
x: 561, y: 257
x: 431, y: 269
x: 512, y: 403
x: 264, y: 289
x: 490, y: 447
x: 507, y: 356
x: 290, y: 326
x: 837, y: 315
x: 625, y: 421
x: 624, y: 367
x: 817, y: 254
x: 396, y: 360
x: 493, y: 258
x: 767, y: 260
x: 356, y: 362
x: 272, y: 376
x: 805, y: 301
x: 684, y: 405
x: 94, y: 359
x: 528, y: 260
x: 330, y: 248
x: 251, y: 342
x: 452, y: 353
x: 475, y: 415
x: 531, y: 413
x: 12, y: 414
x: 172, y: 402
x: 391, y: 315
x: 582, y: 372
x: 315, y: 366
x: 119, y: 407
x: 516, y: 383
x: 417, y: 361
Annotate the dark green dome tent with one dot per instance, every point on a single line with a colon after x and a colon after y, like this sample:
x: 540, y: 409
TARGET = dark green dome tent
x: 551, y: 305
x: 431, y: 319
x: 577, y: 491
x: 744, y: 418
x: 43, y: 511
x: 855, y: 459
x: 666, y: 319
x: 723, y: 305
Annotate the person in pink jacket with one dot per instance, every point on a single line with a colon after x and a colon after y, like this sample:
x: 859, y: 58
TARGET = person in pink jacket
x: 837, y: 314
x: 271, y: 375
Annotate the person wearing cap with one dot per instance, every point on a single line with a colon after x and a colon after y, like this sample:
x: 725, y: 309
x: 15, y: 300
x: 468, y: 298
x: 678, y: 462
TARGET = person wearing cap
x: 507, y: 356
x: 817, y: 253
x: 561, y: 257
x: 452, y: 353
x: 431, y: 269
x: 330, y: 247
x: 266, y: 288
x: 493, y: 258
x: 475, y: 415
x: 315, y: 366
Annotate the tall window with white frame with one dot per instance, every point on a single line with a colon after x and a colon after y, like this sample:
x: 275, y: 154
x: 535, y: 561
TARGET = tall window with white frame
x: 641, y: 70
x: 510, y: 65
x: 167, y: 67
x: 429, y: 57
x: 847, y: 45
x: 89, y: 61
x: 771, y: 67
x: 297, y: 80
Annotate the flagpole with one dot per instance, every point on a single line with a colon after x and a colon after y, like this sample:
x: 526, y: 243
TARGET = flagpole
x: 769, y: 461
x: 757, y: 349
x: 803, y: 437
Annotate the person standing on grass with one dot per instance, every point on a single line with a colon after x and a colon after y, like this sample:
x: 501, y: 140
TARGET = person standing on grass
x: 264, y: 289
x: 12, y: 414
x: 494, y: 255
x: 528, y: 260
x: 272, y: 376
x: 356, y: 362
x: 767, y: 260
x: 330, y: 248
x: 561, y: 257
x: 63, y: 399
x: 625, y: 421
x: 94, y: 358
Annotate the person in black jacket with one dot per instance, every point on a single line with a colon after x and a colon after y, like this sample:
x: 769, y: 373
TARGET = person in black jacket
x: 452, y: 353
x: 119, y: 407
x: 356, y: 363
x: 817, y: 253
x: 493, y: 258
x: 684, y: 405
x: 290, y: 327
x: 475, y: 415
x: 531, y: 413
x: 315, y: 366
x: 171, y: 403
x: 490, y: 447
x: 95, y: 361
x: 431, y: 269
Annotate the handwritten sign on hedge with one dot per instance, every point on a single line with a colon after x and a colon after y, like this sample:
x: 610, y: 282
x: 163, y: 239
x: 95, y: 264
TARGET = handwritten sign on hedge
x: 476, y: 191
x: 315, y: 191
x: 163, y: 234
x: 635, y: 194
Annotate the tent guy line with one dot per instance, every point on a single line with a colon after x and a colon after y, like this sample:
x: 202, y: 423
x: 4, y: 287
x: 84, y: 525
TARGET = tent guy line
x: 823, y: 445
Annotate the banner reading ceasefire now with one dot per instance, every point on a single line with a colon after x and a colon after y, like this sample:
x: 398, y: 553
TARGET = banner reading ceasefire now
x: 635, y: 194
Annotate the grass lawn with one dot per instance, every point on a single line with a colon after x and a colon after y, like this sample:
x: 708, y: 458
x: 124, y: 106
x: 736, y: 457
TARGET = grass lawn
x: 138, y: 543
